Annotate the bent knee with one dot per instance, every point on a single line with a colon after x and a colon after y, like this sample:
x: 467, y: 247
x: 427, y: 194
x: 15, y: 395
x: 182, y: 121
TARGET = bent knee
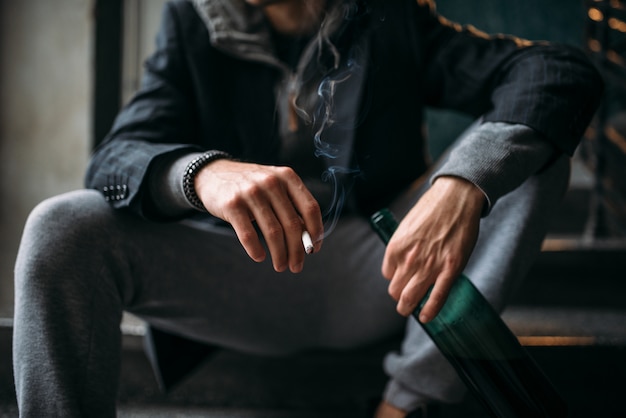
x: 62, y: 247
x: 66, y: 218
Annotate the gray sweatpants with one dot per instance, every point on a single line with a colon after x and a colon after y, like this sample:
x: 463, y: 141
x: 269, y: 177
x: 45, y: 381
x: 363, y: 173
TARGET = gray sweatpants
x: 81, y: 264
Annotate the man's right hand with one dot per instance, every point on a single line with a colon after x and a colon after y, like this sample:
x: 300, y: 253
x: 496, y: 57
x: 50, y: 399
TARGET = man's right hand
x: 273, y: 197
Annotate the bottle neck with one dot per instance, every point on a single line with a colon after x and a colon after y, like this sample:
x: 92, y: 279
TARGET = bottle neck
x: 384, y: 223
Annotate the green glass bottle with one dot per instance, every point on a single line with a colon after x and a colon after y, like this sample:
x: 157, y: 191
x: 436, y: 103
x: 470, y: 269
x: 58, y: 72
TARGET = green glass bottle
x: 483, y: 350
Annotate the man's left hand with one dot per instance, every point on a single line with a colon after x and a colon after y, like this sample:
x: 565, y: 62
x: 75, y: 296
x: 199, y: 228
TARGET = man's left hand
x: 432, y: 245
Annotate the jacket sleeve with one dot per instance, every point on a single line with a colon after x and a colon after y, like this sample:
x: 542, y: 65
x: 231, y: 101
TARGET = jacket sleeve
x: 158, y: 123
x: 551, y: 88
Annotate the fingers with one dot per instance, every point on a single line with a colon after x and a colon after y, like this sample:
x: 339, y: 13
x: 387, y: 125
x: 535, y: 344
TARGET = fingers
x: 296, y: 210
x: 408, y: 287
x: 248, y: 236
x: 409, y: 291
x: 282, y: 231
x: 437, y: 297
x: 408, y: 296
x: 306, y: 206
x: 282, y: 207
x: 412, y: 274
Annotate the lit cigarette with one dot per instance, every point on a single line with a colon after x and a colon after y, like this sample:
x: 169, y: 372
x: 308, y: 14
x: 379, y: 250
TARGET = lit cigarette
x: 307, y: 242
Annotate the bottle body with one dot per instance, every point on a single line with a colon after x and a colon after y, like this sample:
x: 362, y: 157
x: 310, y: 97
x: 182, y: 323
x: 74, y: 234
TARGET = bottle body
x: 483, y: 350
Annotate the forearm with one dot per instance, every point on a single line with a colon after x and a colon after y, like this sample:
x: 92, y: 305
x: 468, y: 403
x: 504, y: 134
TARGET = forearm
x: 497, y: 158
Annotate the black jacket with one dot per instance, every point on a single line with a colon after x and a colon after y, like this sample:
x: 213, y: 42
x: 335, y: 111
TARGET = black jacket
x: 194, y: 96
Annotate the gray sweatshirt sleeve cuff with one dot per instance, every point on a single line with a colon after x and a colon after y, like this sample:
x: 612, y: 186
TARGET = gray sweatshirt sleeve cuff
x: 166, y: 186
x: 497, y: 157
x: 402, y: 398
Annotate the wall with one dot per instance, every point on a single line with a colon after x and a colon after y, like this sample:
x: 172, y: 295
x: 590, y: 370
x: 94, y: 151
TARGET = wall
x: 141, y: 23
x: 45, y: 106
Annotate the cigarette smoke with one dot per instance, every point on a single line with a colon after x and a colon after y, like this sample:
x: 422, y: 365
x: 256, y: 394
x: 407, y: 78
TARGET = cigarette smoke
x: 342, y: 174
x: 334, y: 121
x: 342, y: 171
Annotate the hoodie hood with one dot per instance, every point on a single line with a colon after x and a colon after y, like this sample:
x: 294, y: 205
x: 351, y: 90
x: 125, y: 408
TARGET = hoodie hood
x: 238, y: 29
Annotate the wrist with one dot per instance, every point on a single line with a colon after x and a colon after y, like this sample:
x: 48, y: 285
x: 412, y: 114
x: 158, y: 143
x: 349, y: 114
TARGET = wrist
x: 191, y: 172
x: 464, y: 190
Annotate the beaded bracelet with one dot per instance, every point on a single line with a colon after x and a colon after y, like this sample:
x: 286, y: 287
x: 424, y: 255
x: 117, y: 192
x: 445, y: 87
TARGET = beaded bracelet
x: 192, y: 169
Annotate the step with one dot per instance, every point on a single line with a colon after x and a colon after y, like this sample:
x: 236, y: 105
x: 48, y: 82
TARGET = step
x: 570, y: 314
x: 581, y: 351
